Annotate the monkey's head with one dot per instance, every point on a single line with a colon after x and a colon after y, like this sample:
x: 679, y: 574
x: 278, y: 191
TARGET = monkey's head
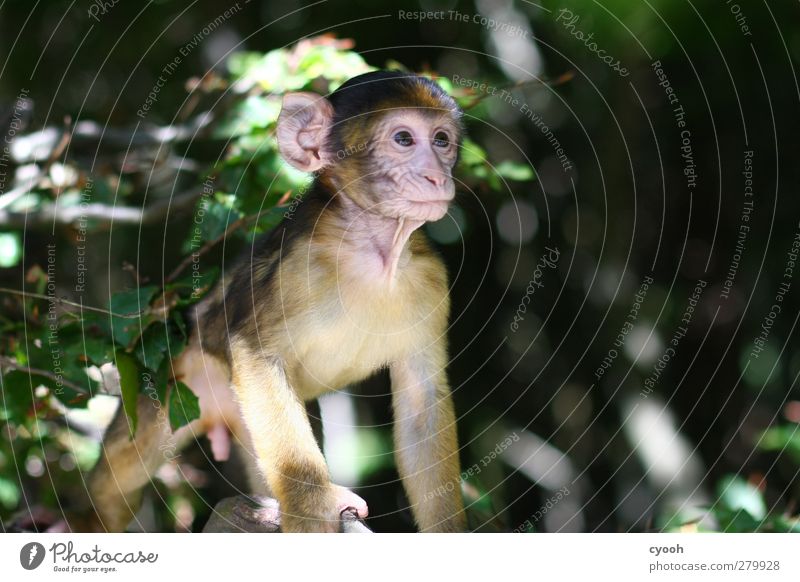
x: 386, y: 140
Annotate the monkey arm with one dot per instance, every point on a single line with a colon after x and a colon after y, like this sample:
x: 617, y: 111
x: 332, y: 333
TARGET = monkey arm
x: 284, y: 444
x: 426, y: 446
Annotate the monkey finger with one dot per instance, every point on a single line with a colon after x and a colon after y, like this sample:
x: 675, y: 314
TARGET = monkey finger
x: 220, y: 440
x: 346, y: 499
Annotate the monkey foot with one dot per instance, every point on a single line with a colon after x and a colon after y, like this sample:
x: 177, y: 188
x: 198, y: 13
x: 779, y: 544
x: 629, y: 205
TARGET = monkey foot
x: 346, y: 499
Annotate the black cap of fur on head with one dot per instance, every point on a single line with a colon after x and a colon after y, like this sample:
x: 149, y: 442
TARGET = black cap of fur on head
x: 380, y: 91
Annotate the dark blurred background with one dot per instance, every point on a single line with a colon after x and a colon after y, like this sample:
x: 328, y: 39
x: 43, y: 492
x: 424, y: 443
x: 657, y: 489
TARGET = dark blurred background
x: 637, y: 444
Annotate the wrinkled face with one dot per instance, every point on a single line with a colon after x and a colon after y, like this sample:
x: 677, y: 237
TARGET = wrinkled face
x: 410, y: 157
x: 395, y: 159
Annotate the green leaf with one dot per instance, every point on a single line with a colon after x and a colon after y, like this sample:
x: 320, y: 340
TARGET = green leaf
x: 135, y: 301
x: 10, y: 249
x: 241, y: 63
x: 129, y: 385
x: 159, y: 341
x: 9, y: 493
x: 515, y: 171
x: 16, y: 394
x: 252, y: 114
x: 271, y: 71
x: 98, y: 350
x: 177, y: 317
x: 184, y: 407
x: 472, y: 154
x: 736, y: 494
x: 782, y: 438
x: 215, y: 219
x: 736, y: 521
x: 673, y: 519
x: 193, y: 286
x: 333, y: 64
x: 162, y: 377
x: 785, y: 524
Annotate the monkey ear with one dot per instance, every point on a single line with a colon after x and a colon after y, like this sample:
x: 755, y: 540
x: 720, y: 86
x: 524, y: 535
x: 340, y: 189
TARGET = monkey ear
x: 303, y: 127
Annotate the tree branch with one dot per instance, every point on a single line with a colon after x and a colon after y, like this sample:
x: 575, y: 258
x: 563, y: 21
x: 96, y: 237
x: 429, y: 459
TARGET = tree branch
x: 262, y: 515
x: 39, y: 145
x: 236, y: 224
x: 27, y: 294
x: 103, y: 213
x: 9, y: 364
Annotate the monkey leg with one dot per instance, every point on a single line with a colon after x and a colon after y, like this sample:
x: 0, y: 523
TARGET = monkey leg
x: 126, y: 465
x: 345, y: 499
x: 285, y: 449
x: 426, y: 445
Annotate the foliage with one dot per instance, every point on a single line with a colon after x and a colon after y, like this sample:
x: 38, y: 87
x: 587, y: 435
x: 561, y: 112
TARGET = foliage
x: 200, y: 177
x: 144, y: 326
x: 740, y: 507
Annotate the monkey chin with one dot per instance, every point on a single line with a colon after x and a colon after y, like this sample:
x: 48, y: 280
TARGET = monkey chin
x: 420, y: 211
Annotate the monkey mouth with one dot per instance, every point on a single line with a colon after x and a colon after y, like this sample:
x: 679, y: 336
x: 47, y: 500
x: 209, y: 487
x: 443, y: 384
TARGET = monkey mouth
x: 425, y: 210
x: 432, y: 201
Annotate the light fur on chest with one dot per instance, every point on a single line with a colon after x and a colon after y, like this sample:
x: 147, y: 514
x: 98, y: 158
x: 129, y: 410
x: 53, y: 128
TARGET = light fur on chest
x: 348, y: 327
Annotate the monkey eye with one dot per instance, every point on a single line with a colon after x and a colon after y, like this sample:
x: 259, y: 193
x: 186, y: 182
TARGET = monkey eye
x: 441, y: 140
x: 404, y: 138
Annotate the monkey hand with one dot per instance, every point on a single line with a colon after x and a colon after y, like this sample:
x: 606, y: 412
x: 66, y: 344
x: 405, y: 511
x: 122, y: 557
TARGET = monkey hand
x: 322, y: 511
x: 346, y: 499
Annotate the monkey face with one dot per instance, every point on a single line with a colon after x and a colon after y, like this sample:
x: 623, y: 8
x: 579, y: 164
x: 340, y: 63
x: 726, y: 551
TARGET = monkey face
x: 386, y: 140
x: 406, y: 169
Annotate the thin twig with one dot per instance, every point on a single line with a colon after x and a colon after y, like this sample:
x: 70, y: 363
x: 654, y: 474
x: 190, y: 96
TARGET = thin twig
x: 72, y: 303
x: 8, y: 363
x: 560, y: 80
x: 61, y: 146
x: 233, y: 226
x: 128, y: 267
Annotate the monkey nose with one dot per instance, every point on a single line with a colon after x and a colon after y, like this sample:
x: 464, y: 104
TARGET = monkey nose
x: 435, y: 178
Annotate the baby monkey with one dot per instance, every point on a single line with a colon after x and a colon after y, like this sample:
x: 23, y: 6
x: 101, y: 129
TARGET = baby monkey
x: 346, y: 285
